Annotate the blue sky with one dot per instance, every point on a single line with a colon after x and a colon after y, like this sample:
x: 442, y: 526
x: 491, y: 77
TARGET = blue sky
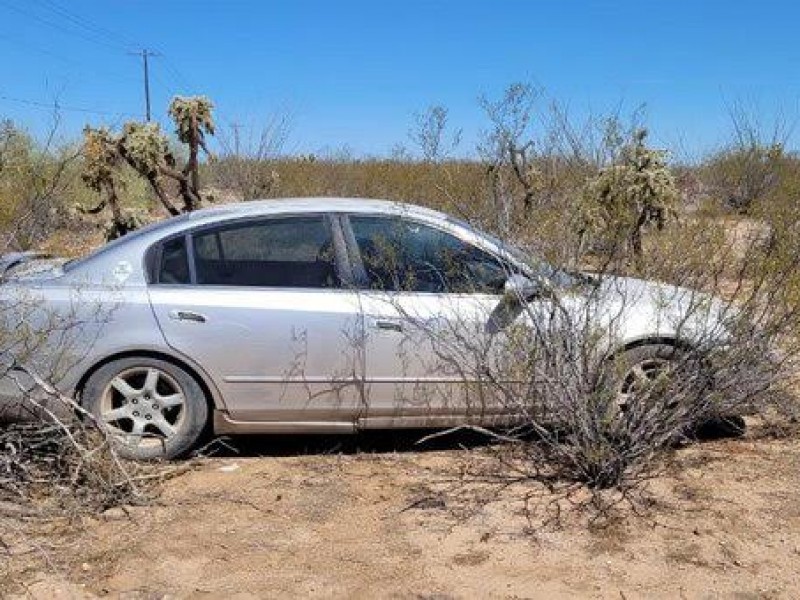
x: 353, y: 73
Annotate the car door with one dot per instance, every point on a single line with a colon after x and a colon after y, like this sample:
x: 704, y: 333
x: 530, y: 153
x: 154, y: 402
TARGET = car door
x: 264, y: 307
x: 427, y: 297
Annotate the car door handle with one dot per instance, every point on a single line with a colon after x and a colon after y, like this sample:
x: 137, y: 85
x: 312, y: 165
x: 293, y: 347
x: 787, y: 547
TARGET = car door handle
x: 187, y: 315
x: 387, y: 325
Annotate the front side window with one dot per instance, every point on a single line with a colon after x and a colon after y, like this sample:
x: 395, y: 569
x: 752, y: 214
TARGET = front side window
x: 400, y: 254
x: 294, y: 252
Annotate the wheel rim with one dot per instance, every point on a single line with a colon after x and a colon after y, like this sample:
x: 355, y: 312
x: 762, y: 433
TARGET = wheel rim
x: 638, y: 379
x: 144, y: 404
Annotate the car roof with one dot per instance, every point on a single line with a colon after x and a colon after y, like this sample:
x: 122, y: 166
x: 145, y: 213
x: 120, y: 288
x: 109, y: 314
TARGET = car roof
x: 321, y: 204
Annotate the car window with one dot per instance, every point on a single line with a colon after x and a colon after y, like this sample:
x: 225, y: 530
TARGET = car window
x: 174, y: 265
x: 280, y: 252
x: 401, y: 254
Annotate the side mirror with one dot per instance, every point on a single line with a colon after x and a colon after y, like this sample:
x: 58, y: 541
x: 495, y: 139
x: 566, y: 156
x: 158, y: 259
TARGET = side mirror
x: 519, y: 288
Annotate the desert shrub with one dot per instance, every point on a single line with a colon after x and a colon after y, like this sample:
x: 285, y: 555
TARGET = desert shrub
x: 51, y: 468
x: 751, y: 167
x: 55, y: 459
x: 589, y: 414
x: 740, y: 177
x: 407, y: 180
x: 36, y: 179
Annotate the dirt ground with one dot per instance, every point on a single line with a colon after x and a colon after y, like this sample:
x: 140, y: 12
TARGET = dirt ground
x: 377, y: 517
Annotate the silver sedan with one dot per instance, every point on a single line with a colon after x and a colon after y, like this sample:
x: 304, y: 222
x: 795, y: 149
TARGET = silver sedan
x: 276, y: 317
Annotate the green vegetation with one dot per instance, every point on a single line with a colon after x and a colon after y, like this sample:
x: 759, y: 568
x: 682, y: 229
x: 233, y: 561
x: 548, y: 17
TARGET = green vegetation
x: 568, y: 190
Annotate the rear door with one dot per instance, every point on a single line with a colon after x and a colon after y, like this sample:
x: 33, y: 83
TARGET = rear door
x: 264, y: 307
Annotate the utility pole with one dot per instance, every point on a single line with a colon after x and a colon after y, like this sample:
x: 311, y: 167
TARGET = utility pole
x: 145, y: 54
x: 236, y: 127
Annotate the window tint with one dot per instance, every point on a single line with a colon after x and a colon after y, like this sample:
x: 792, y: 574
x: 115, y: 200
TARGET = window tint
x: 280, y: 252
x: 174, y: 266
x: 399, y: 254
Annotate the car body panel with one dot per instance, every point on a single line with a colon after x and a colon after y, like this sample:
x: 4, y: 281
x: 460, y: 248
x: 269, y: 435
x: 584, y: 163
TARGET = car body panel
x: 275, y: 354
x: 422, y: 351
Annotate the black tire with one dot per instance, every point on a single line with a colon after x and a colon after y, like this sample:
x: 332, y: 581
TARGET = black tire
x: 170, y: 430
x: 712, y: 427
x: 721, y: 428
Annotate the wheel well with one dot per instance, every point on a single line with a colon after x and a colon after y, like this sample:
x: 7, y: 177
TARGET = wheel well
x: 148, y: 354
x: 678, y: 344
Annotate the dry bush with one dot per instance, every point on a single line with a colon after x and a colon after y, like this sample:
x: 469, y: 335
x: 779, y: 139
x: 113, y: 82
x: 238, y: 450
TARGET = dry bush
x: 450, y: 185
x: 54, y: 470
x: 59, y: 461
x: 246, y: 166
x: 55, y: 458
x: 591, y: 415
x: 752, y: 166
x: 36, y: 180
x: 548, y: 352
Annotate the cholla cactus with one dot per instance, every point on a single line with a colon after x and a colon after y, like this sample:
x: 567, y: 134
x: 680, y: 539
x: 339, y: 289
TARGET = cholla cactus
x: 146, y: 148
x: 193, y: 120
x: 102, y: 162
x: 636, y: 191
x: 192, y: 116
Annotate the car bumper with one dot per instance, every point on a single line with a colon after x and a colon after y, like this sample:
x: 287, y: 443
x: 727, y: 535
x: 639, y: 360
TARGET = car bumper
x: 16, y: 406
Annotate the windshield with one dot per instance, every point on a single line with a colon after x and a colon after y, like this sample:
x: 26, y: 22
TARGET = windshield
x: 556, y: 276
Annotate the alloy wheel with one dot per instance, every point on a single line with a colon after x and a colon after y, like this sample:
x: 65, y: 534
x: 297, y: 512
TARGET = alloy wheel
x: 143, y: 402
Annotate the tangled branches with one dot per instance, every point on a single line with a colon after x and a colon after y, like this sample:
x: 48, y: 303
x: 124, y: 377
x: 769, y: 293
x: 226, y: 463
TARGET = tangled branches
x: 54, y: 465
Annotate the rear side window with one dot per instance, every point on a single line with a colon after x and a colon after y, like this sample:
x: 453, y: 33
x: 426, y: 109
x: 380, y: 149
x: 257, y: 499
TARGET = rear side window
x: 174, y: 264
x: 292, y: 252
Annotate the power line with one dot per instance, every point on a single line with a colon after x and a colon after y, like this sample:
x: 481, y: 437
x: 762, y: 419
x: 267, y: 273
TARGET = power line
x: 177, y: 75
x: 25, y: 45
x: 30, y: 46
x: 95, y: 29
x: 90, y: 31
x: 57, y: 106
x: 59, y: 27
x: 85, y: 23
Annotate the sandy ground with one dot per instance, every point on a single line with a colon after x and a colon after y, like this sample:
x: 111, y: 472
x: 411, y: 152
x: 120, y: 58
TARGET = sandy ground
x: 375, y: 517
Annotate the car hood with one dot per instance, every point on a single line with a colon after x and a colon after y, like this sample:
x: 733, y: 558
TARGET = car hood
x: 629, y: 309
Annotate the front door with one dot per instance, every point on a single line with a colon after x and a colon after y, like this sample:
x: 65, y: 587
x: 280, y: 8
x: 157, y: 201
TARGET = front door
x: 428, y: 298
x: 262, y: 308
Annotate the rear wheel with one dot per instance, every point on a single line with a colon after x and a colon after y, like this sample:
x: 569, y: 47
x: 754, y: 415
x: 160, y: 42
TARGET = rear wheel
x: 151, y: 407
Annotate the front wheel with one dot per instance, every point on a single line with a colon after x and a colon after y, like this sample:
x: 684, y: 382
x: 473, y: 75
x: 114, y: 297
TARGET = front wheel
x: 150, y: 407
x: 638, y: 388
x: 634, y: 372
